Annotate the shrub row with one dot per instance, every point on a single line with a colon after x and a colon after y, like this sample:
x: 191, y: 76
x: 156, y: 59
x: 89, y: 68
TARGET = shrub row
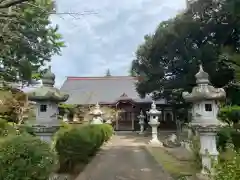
x: 10, y: 129
x: 76, y: 146
x: 23, y: 156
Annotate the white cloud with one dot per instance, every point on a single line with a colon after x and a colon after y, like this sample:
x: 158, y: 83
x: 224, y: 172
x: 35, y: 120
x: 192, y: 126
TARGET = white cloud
x: 109, y: 38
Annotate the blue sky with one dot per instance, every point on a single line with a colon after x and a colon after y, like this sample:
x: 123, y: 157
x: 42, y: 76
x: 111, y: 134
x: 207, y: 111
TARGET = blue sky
x: 108, y: 39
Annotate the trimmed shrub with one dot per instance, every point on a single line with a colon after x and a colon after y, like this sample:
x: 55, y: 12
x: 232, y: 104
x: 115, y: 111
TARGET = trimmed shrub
x: 26, y: 129
x: 73, y: 146
x: 77, y: 145
x: 97, y: 136
x: 107, y: 131
x: 25, y: 157
x: 6, y: 129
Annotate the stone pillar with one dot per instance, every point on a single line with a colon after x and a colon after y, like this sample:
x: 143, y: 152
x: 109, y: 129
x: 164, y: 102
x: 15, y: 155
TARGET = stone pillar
x: 208, y: 149
x: 141, y: 122
x: 154, y: 123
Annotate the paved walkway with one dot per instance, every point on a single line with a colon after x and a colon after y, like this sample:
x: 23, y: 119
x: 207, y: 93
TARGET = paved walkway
x: 124, y: 158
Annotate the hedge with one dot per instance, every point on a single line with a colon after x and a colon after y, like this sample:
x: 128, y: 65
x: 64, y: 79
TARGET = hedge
x: 24, y: 157
x: 77, y: 145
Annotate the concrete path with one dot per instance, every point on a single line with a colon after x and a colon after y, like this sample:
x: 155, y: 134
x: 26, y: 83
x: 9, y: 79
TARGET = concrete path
x: 124, y: 158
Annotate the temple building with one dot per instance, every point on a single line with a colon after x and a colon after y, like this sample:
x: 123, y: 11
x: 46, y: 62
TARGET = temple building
x: 118, y: 92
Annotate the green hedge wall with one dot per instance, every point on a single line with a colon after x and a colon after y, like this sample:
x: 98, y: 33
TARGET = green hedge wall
x: 77, y: 145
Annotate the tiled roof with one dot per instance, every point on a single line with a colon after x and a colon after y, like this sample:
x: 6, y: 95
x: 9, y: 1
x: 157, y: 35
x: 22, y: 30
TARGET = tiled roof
x: 90, y: 90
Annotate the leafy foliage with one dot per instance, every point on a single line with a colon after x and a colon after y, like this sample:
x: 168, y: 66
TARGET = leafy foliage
x: 14, y: 106
x: 228, y: 170
x: 6, y: 129
x: 230, y: 114
x: 228, y: 135
x: 223, y: 138
x: 25, y: 157
x: 168, y: 59
x: 76, y: 145
x: 28, y: 40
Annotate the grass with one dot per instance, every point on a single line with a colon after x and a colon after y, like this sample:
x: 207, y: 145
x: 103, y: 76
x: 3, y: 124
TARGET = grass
x: 172, y: 165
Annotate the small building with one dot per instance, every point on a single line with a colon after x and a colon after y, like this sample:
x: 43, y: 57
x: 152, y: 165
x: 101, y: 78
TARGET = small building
x: 118, y: 92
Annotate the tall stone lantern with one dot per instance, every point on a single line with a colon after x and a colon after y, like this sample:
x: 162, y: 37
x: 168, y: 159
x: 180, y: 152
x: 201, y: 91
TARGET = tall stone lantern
x: 97, y: 115
x: 205, y: 98
x: 141, y: 122
x: 153, y: 113
x: 47, y: 98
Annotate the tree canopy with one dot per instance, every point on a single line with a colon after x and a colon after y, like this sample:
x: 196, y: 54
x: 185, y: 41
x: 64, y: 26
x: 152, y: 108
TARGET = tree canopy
x: 28, y: 39
x: 207, y: 33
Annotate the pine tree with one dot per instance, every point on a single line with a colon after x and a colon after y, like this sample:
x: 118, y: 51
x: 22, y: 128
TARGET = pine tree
x: 108, y: 73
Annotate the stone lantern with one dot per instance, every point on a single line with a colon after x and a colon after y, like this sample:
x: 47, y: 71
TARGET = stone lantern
x: 204, y: 116
x: 47, y: 98
x: 141, y: 118
x: 153, y: 113
x: 97, y: 115
x: 109, y: 120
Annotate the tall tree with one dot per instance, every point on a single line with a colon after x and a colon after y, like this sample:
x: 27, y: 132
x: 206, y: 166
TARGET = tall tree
x: 108, y: 73
x: 169, y: 59
x: 28, y: 40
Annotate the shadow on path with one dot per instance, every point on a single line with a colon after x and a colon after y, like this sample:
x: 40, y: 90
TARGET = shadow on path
x: 124, y: 158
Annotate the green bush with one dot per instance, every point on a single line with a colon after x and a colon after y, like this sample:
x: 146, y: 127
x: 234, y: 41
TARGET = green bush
x: 6, y: 129
x: 26, y: 129
x: 223, y: 137
x: 230, y: 114
x: 108, y: 131
x: 229, y: 169
x: 25, y: 157
x: 235, y: 135
x: 77, y: 145
x: 226, y: 135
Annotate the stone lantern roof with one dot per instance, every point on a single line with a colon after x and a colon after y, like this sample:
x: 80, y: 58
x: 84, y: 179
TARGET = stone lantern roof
x: 96, y: 111
x: 47, y: 92
x: 153, y: 110
x: 203, y: 90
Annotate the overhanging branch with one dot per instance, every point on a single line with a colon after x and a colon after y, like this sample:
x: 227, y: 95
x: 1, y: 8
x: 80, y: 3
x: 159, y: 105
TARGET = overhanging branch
x: 12, y: 3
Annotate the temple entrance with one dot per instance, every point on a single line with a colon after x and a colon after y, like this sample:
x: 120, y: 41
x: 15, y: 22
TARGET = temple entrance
x: 126, y: 115
x: 125, y: 121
